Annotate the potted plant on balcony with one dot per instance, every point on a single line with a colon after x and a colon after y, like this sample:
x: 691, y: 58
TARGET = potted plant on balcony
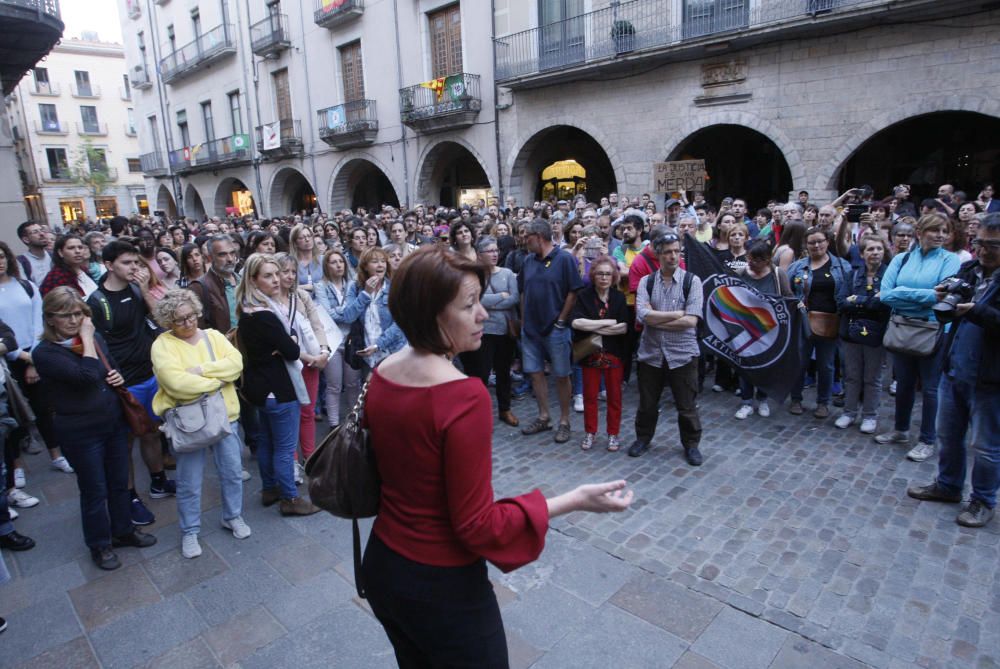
x: 623, y: 34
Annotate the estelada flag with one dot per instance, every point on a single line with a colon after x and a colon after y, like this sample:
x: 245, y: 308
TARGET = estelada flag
x: 758, y: 334
x: 436, y: 85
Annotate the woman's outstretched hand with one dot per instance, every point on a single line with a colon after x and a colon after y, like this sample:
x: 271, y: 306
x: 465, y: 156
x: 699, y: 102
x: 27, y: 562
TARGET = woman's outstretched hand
x: 609, y: 497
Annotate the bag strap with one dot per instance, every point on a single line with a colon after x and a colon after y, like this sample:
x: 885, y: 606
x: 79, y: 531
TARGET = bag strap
x: 208, y: 343
x: 359, y: 406
x: 100, y: 354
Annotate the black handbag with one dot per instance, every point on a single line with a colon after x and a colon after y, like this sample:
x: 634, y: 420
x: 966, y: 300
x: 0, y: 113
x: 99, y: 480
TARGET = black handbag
x: 355, y: 342
x: 343, y: 476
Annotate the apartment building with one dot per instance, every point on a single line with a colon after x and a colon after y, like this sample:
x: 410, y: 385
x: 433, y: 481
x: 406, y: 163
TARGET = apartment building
x: 273, y: 108
x: 75, y: 135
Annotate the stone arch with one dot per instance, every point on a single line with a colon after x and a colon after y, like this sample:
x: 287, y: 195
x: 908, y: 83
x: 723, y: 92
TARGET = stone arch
x: 193, y: 205
x: 347, y: 175
x: 165, y: 201
x: 827, y: 178
x: 223, y: 195
x: 520, y: 153
x: 286, y: 184
x: 434, y: 162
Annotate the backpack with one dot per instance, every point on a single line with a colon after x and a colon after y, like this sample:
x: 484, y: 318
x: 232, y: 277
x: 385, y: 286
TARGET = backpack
x: 27, y: 287
x: 685, y: 289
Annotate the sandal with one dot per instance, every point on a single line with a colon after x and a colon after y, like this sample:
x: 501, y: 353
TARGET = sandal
x: 536, y: 426
x: 588, y: 441
x: 613, y: 444
x: 562, y: 434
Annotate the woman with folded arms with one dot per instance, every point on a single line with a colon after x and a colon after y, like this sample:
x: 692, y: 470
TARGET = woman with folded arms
x: 331, y: 296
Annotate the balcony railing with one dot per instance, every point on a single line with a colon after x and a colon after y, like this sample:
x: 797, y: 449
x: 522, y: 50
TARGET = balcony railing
x: 453, y: 103
x: 332, y: 13
x: 153, y: 164
x: 224, y: 151
x: 85, y: 91
x: 280, y: 138
x: 50, y: 127
x: 45, y: 89
x: 30, y: 29
x: 55, y: 174
x: 139, y: 77
x: 646, y: 25
x: 270, y: 35
x: 348, y: 125
x: 208, y: 48
x: 92, y: 129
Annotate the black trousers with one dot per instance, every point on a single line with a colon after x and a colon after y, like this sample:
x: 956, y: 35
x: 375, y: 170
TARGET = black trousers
x: 435, y: 617
x: 496, y: 353
x: 683, y: 382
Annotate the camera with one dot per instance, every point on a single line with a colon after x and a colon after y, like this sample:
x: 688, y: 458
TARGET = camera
x: 958, y: 292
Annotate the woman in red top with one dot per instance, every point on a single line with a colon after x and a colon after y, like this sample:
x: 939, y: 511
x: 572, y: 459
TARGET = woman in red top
x: 430, y: 426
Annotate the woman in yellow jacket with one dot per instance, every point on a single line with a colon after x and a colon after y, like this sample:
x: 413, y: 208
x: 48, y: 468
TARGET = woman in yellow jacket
x: 189, y: 362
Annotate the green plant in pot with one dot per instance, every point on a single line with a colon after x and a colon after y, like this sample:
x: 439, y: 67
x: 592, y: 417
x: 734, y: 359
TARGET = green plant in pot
x: 623, y: 33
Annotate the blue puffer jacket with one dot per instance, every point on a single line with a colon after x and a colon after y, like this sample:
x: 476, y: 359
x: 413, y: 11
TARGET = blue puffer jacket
x: 800, y: 276
x: 357, y: 301
x: 908, y: 284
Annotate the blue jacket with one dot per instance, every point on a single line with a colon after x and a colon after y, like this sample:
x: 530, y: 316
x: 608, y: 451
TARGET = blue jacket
x: 326, y: 297
x: 357, y: 300
x: 868, y: 306
x: 910, y: 291
x: 986, y: 314
x: 800, y: 276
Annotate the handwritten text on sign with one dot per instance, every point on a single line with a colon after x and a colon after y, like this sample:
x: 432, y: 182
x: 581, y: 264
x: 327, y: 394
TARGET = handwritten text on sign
x: 678, y: 176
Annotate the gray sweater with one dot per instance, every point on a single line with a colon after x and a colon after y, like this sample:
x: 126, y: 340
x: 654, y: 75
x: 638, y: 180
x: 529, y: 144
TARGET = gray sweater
x: 500, y: 308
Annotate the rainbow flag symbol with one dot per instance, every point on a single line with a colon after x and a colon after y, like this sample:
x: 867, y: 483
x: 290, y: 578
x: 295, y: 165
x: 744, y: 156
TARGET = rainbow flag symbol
x: 748, y: 322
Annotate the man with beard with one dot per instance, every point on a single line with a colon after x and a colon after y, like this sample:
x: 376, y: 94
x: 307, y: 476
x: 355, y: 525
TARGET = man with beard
x: 630, y: 247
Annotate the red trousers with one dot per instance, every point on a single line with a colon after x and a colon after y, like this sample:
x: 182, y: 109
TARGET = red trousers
x: 613, y: 385
x: 307, y: 413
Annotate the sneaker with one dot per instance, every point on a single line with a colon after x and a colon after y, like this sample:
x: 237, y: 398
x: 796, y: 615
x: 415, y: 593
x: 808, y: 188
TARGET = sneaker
x: 844, y: 421
x: 763, y: 410
x: 638, y: 448
x: 62, y: 464
x: 19, y: 480
x: 894, y: 437
x: 921, y: 452
x: 13, y: 513
x: 868, y: 426
x: 3, y: 624
x: 578, y: 403
x: 166, y: 488
x: 190, y: 548
x: 588, y: 441
x: 105, y: 558
x: 31, y: 446
x: 744, y: 412
x: 136, y: 539
x: 297, y: 507
x: 892, y: 388
x: 613, y: 443
x: 21, y: 499
x: 245, y: 475
x: 933, y: 493
x: 693, y: 456
x: 140, y: 514
x: 603, y: 395
x: 822, y: 411
x: 238, y: 526
x: 300, y: 474
x: 976, y: 514
x: 795, y: 408
x: 14, y: 541
x: 717, y: 388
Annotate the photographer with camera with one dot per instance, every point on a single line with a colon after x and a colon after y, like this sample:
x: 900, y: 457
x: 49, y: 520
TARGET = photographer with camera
x: 969, y: 393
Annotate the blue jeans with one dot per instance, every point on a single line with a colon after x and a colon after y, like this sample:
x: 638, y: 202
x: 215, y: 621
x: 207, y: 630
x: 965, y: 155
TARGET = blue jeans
x: 191, y: 471
x: 101, y: 464
x: 278, y: 438
x: 961, y: 406
x: 908, y: 369
x: 825, y: 350
x: 557, y: 346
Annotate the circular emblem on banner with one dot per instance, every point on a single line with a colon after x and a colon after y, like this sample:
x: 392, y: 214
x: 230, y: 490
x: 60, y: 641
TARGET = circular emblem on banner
x: 746, y: 325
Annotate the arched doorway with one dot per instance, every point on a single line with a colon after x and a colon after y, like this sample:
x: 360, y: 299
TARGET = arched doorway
x: 290, y: 193
x: 232, y: 197
x: 451, y: 175
x: 165, y: 202
x: 740, y: 162
x: 551, y: 153
x: 361, y: 183
x: 193, y: 206
x: 955, y: 147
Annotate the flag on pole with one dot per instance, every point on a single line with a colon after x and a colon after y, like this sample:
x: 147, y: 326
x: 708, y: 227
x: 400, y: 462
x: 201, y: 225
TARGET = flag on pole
x: 756, y: 333
x: 436, y: 85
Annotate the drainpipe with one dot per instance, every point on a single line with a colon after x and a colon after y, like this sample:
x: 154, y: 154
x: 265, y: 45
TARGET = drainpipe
x: 253, y: 142
x: 161, y: 95
x: 496, y: 100
x: 309, y: 106
x: 399, y: 86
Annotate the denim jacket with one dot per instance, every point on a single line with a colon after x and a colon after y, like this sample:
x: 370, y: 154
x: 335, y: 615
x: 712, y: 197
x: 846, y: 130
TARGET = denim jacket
x: 800, y: 275
x: 326, y: 297
x: 357, y: 300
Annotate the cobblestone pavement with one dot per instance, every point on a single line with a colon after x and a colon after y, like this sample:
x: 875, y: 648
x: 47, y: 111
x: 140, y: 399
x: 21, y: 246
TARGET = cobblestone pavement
x: 793, y: 546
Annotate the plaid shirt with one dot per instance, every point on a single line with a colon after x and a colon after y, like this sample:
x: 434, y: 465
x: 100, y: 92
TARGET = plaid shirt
x: 657, y: 345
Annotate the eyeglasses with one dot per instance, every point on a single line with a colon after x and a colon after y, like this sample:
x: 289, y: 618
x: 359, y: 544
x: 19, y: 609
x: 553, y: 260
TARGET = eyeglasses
x: 991, y: 244
x: 603, y: 274
x: 71, y: 315
x: 190, y: 318
x: 816, y: 242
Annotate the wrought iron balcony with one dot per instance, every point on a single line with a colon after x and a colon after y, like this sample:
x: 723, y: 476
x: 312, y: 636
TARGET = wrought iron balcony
x: 152, y: 164
x: 281, y: 138
x: 227, y: 151
x: 139, y: 78
x: 270, y: 35
x: 30, y: 28
x: 92, y: 129
x: 58, y: 174
x: 453, y: 103
x: 208, y: 48
x: 45, y: 89
x: 332, y: 13
x: 348, y: 125
x: 87, y: 91
x: 51, y: 127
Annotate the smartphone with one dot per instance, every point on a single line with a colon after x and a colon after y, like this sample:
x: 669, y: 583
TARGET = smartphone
x: 854, y: 211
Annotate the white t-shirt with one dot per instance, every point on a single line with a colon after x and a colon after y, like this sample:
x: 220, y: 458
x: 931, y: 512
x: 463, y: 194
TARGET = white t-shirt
x: 86, y: 283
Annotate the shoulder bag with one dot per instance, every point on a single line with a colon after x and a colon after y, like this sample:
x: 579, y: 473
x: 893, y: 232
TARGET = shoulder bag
x: 195, y: 425
x: 911, y: 336
x: 139, y: 421
x: 587, y: 346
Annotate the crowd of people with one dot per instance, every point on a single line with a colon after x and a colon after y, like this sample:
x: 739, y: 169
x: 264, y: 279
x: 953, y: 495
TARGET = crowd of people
x: 289, y: 318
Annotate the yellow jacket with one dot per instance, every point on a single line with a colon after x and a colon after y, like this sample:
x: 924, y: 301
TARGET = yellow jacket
x: 172, y: 358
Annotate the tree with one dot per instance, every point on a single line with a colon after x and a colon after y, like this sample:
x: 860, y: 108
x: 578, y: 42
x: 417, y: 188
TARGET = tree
x: 90, y: 169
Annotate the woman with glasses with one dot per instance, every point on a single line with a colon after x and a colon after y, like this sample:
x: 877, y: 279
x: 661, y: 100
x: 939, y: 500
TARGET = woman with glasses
x: 309, y: 259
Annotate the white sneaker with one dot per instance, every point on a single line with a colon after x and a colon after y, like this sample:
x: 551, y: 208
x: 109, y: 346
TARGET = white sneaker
x: 603, y: 395
x: 763, y: 410
x: 892, y: 388
x: 869, y: 425
x: 921, y: 452
x: 62, y: 464
x: 239, y: 527
x: 245, y: 475
x: 19, y: 479
x: 300, y: 474
x: 744, y: 412
x: 190, y: 548
x: 717, y: 388
x: 844, y: 421
x: 578, y: 403
x: 13, y: 514
x: 21, y: 499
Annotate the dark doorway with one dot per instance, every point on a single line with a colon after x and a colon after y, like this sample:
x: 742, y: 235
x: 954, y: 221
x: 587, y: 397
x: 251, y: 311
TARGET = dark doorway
x: 452, y: 176
x: 373, y: 190
x: 958, y: 148
x: 301, y: 195
x: 566, y: 143
x: 740, y: 162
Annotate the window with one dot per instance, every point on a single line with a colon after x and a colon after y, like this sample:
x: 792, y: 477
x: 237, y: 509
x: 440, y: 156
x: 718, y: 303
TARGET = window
x: 98, y: 160
x: 206, y: 117
x: 352, y: 72
x: 182, y: 126
x: 134, y: 165
x: 127, y: 88
x: 83, y: 87
x: 282, y: 95
x: 42, y: 84
x: 154, y: 132
x: 562, y: 39
x: 704, y: 17
x: 130, y: 123
x: 88, y: 114
x: 446, y: 41
x: 235, y: 113
x: 58, y: 163
x: 50, y: 119
x: 172, y: 37
x: 140, y: 38
x: 196, y: 23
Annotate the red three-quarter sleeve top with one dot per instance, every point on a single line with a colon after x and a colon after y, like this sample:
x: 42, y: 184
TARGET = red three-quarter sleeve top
x: 433, y: 446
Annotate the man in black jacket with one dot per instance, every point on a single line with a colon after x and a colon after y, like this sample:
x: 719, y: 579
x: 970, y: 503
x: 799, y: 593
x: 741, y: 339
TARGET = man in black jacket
x: 969, y: 393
